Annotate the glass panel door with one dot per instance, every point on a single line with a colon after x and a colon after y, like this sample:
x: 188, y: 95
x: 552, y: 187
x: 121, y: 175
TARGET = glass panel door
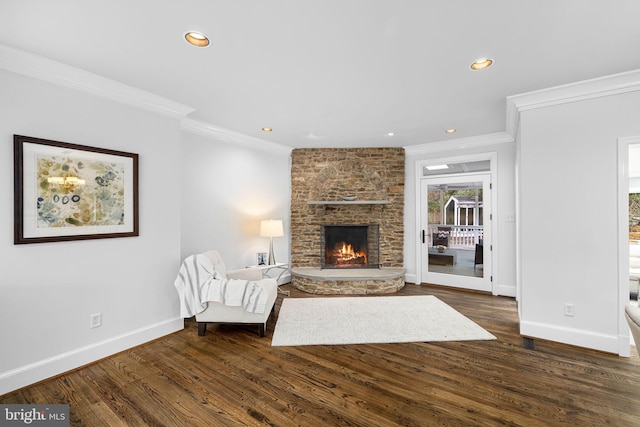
x: 456, y: 231
x: 634, y: 223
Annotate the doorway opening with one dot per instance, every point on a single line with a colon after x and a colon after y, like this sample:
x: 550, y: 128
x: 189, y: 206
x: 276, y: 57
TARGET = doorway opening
x: 456, y: 230
x: 634, y: 225
x: 628, y: 234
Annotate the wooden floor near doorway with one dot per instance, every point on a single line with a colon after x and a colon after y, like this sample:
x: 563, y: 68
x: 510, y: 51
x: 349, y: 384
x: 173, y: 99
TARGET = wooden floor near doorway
x: 233, y: 377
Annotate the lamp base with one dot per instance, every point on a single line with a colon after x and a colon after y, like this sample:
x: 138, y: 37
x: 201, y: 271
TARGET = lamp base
x: 272, y: 258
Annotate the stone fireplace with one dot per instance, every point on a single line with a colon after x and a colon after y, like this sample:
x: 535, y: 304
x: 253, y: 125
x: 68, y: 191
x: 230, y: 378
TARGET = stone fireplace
x: 359, y: 190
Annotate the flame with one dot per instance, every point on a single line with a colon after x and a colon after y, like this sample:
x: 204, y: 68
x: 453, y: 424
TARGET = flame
x: 347, y: 253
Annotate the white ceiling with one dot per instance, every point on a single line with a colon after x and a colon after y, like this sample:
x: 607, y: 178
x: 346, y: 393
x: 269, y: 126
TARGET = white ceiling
x: 335, y: 73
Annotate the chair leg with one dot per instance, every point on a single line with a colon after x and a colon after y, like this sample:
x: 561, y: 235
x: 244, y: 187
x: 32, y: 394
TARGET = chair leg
x: 202, y: 328
x: 261, y: 329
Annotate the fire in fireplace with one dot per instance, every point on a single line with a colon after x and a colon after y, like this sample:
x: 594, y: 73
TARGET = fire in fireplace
x: 350, y: 246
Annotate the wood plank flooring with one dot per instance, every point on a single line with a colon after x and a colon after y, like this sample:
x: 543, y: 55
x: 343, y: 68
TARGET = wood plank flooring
x: 233, y: 377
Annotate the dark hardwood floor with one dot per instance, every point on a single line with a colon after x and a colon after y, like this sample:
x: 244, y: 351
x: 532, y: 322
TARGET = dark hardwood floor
x: 233, y: 377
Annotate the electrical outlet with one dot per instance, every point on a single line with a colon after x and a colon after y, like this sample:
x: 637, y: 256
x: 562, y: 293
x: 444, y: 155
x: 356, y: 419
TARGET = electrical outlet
x: 96, y: 320
x: 569, y: 310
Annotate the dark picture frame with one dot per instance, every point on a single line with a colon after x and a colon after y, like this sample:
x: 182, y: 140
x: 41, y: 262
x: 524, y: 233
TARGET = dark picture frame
x: 65, y: 192
x: 261, y: 258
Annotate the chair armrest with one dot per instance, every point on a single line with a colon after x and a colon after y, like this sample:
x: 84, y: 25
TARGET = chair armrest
x: 245, y: 274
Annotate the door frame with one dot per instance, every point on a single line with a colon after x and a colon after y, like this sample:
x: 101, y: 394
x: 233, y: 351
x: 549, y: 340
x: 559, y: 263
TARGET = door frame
x: 493, y: 167
x: 624, y: 345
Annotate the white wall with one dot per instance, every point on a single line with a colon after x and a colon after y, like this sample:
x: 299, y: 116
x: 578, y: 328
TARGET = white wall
x: 568, y: 212
x: 227, y: 189
x: 49, y: 290
x: 504, y: 269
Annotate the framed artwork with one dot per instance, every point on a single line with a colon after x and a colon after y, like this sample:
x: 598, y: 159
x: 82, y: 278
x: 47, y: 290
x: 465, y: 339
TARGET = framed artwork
x: 66, y: 191
x: 261, y: 258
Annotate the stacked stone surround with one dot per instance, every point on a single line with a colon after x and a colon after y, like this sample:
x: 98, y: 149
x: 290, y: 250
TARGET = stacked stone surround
x: 328, y: 174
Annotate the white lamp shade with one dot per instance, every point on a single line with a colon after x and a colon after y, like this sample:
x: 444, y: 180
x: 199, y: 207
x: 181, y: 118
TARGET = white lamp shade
x: 271, y: 228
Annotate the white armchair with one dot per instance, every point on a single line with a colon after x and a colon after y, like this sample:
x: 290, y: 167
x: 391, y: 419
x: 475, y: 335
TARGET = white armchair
x: 220, y: 313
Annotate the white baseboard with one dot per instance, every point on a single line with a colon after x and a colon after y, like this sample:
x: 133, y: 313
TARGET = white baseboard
x: 577, y: 337
x: 411, y: 278
x: 506, y: 291
x: 56, y: 365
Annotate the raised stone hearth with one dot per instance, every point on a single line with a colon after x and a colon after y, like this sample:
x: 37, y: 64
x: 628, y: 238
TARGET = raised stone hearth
x: 359, y: 281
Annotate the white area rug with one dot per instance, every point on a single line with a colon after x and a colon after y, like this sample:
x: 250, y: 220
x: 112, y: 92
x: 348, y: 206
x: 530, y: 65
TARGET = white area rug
x: 362, y: 320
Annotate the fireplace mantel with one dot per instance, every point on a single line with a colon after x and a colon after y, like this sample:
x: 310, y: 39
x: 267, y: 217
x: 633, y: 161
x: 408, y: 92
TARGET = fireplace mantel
x: 349, y: 202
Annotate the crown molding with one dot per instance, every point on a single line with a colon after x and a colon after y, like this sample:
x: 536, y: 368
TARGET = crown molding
x: 574, y: 92
x: 229, y: 136
x: 41, y: 68
x: 459, y: 143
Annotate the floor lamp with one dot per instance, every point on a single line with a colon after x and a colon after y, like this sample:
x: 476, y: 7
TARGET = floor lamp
x: 271, y: 228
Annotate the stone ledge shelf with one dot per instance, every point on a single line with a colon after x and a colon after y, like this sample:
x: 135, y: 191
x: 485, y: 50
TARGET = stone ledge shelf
x: 355, y: 281
x: 348, y: 202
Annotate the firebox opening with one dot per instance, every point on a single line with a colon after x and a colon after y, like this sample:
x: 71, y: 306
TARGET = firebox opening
x: 350, y: 246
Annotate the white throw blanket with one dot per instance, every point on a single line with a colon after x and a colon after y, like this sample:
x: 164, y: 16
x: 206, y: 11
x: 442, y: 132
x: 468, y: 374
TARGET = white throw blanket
x: 198, y: 282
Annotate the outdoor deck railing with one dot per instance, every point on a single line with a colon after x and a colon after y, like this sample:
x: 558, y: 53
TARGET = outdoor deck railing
x: 460, y: 236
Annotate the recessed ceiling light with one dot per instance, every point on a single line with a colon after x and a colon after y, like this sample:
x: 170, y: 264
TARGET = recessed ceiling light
x: 436, y: 167
x: 266, y: 129
x: 197, y: 39
x: 390, y: 134
x: 450, y: 130
x: 481, y: 64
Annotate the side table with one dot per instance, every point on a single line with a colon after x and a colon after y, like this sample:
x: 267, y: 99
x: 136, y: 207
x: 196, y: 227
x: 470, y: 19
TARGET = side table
x: 280, y: 268
x: 447, y: 257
